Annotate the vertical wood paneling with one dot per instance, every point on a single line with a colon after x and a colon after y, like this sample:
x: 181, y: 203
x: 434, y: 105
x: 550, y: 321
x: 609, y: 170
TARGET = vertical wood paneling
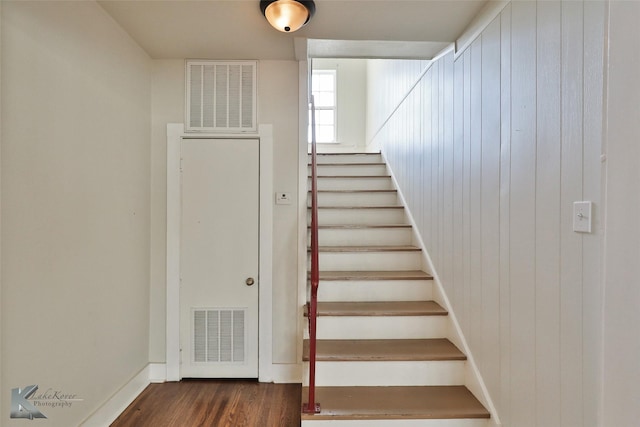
x: 548, y: 215
x: 447, y: 167
x: 433, y: 180
x: 491, y: 156
x: 441, y: 171
x: 466, y: 189
x: 476, y: 195
x: 522, y: 215
x: 456, y: 288
x: 426, y: 173
x: 594, y: 13
x: 571, y: 190
x: 503, y: 400
x: 490, y: 204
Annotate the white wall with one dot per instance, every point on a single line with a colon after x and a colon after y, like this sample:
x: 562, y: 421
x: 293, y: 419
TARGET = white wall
x: 277, y: 105
x: 491, y: 150
x: 351, y: 102
x: 621, y: 389
x: 75, y: 196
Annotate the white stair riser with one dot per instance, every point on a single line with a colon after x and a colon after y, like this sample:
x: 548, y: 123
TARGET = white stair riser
x: 369, y: 261
x: 348, y: 158
x: 465, y: 422
x: 379, y: 327
x: 364, y: 236
x: 382, y: 183
x: 387, y: 373
x: 355, y: 170
x: 358, y: 216
x: 375, y: 290
x: 385, y: 198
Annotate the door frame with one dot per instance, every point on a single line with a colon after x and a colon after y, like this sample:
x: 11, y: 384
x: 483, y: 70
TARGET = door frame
x: 175, y: 135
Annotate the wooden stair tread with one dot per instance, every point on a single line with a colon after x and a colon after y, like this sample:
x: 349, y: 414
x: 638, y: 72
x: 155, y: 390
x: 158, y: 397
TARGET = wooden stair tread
x: 375, y: 275
x: 361, y: 207
x: 350, y: 153
x: 385, y: 350
x: 354, y: 176
x: 371, y: 248
x: 350, y: 164
x: 355, y: 191
x: 413, y: 402
x: 386, y: 308
x: 361, y: 226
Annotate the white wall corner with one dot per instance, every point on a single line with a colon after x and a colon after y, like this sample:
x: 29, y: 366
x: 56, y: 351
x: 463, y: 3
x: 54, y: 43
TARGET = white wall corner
x: 116, y: 404
x: 157, y: 372
x: 174, y: 130
x: 300, y: 45
x: 290, y: 373
x: 473, y: 379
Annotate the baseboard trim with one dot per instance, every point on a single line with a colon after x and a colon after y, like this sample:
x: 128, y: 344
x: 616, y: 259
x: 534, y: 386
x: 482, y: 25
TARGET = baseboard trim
x: 112, y: 408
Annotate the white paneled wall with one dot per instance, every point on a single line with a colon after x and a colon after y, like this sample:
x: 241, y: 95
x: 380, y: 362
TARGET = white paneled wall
x: 491, y: 149
x: 390, y: 80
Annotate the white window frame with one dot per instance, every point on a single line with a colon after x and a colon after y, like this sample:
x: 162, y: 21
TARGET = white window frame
x: 334, y: 73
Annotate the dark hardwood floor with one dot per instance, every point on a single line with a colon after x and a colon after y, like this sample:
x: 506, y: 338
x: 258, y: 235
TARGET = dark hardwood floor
x: 215, y: 403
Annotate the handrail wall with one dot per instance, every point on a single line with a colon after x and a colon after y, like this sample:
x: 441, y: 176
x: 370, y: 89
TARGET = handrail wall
x: 312, y: 407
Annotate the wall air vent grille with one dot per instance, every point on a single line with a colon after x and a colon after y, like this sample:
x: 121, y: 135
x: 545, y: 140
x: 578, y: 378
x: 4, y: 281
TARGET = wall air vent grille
x: 221, y: 96
x: 218, y: 335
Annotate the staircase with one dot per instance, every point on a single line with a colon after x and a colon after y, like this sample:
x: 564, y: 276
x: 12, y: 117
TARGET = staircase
x: 383, y: 358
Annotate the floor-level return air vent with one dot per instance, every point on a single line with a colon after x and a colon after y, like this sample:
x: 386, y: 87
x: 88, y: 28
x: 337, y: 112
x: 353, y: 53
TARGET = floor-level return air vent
x: 218, y: 335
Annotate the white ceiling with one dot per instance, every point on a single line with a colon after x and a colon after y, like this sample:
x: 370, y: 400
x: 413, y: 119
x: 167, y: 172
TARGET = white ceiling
x: 235, y: 29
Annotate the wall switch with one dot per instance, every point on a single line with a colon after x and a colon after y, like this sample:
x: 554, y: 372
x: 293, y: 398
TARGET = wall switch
x: 582, y: 217
x: 283, y: 198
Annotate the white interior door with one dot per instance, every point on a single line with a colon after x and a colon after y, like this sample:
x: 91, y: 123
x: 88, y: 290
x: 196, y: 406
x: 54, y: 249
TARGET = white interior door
x: 219, y: 258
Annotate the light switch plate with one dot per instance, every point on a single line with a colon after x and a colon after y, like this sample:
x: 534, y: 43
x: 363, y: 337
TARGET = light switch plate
x: 582, y: 217
x: 283, y: 198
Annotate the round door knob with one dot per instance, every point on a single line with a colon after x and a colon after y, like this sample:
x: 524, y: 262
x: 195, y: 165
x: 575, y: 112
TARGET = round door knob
x: 250, y: 281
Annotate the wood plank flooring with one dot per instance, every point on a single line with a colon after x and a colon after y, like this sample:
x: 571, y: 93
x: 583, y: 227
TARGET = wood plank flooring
x: 214, y: 403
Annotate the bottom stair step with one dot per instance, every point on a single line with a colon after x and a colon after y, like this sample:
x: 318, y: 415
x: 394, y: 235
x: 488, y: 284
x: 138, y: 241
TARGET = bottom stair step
x: 395, y: 403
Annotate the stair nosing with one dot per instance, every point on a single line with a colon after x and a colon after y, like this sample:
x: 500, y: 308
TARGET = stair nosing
x: 361, y: 226
x: 349, y: 164
x: 352, y: 176
x: 360, y: 207
x: 350, y: 153
x: 356, y: 191
x: 369, y: 248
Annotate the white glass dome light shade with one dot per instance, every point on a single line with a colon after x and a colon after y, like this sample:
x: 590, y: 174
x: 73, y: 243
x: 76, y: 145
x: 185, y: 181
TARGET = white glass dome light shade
x: 287, y: 15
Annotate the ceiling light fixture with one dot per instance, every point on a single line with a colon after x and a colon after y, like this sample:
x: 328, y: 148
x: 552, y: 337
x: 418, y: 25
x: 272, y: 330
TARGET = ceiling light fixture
x: 287, y: 15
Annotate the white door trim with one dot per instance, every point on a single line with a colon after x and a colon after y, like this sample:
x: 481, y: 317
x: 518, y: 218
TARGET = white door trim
x: 175, y: 133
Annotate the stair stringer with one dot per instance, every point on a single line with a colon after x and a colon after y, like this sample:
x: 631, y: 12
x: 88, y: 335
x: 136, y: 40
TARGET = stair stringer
x: 473, y: 378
